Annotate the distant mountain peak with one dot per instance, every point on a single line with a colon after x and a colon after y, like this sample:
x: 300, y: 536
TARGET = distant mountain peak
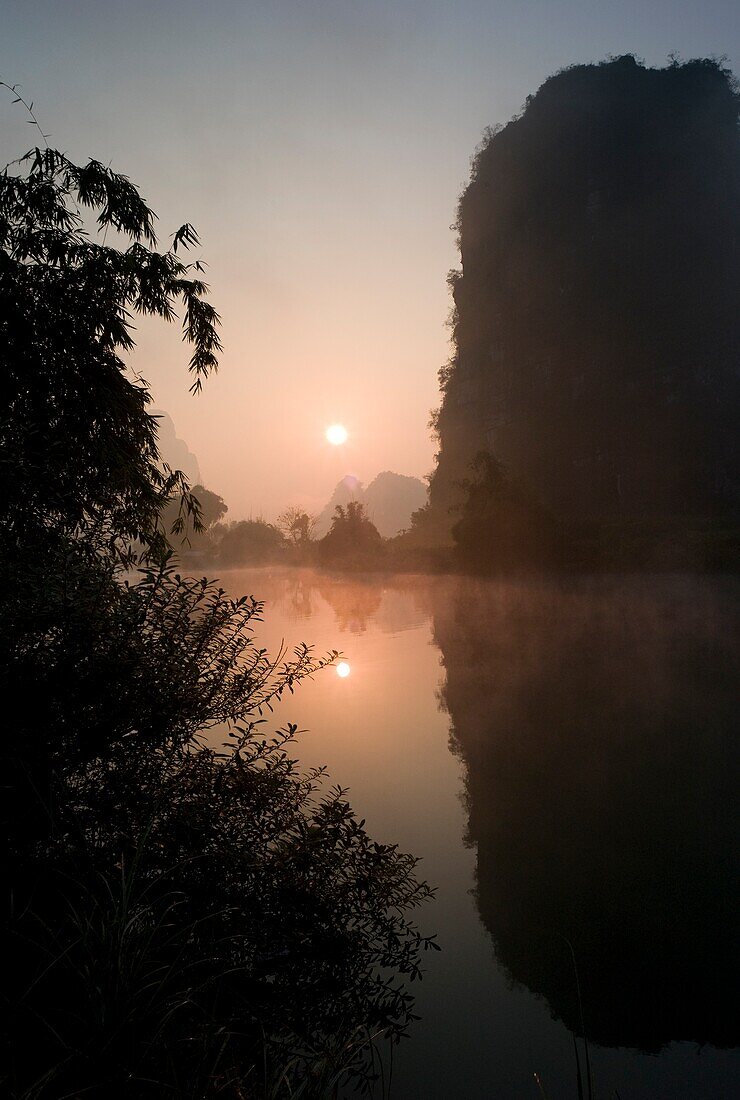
x: 173, y: 450
x: 390, y: 500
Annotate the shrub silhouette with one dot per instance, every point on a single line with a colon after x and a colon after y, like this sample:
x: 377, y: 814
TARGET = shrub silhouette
x: 250, y: 541
x: 353, y: 540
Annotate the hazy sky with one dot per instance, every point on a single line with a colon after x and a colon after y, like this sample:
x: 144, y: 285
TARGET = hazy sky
x: 319, y: 148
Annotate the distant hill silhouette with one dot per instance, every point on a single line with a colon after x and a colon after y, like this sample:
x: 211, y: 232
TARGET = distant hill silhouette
x: 175, y: 451
x: 597, y: 309
x: 389, y: 499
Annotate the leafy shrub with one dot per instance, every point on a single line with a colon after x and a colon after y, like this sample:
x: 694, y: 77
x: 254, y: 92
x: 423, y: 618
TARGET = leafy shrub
x: 250, y: 541
x: 352, y: 540
x: 193, y: 911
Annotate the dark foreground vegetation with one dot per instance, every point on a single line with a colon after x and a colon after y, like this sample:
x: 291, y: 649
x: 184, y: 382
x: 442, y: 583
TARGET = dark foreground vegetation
x: 178, y: 920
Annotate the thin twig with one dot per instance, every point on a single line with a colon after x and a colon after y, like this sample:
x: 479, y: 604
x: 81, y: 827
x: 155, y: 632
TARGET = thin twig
x: 13, y: 89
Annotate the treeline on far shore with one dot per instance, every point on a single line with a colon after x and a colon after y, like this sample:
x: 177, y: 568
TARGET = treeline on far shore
x: 499, y: 528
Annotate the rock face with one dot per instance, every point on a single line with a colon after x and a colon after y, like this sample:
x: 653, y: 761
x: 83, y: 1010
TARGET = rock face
x: 175, y: 451
x: 597, y: 324
x: 390, y: 499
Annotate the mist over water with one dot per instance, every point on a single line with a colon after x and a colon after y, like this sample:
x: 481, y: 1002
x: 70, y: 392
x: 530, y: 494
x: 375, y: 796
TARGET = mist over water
x: 561, y: 754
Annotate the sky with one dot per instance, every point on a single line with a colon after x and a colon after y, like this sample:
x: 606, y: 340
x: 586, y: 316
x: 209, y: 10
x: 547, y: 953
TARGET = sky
x: 319, y: 148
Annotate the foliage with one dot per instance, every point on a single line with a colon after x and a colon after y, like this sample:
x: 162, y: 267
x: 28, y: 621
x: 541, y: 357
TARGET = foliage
x: 297, y: 525
x: 352, y: 539
x: 250, y: 541
x: 212, y: 506
x: 78, y: 448
x: 501, y: 526
x: 180, y: 528
x: 181, y: 919
x: 193, y: 911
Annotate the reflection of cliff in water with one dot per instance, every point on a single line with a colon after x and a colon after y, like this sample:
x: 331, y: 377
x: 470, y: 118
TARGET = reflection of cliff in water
x: 596, y: 722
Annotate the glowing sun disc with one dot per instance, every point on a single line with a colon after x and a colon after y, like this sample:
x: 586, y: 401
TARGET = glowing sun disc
x: 336, y: 434
x: 343, y: 669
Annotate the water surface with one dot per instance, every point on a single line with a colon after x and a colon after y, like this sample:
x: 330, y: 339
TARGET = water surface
x: 562, y: 756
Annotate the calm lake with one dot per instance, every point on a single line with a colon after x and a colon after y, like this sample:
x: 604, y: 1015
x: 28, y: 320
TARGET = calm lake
x: 562, y: 755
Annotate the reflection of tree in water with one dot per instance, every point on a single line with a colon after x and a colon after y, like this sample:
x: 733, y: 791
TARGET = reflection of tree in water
x: 389, y: 605
x: 286, y: 591
x: 596, y: 723
x: 295, y: 598
x: 353, y: 601
x: 405, y: 605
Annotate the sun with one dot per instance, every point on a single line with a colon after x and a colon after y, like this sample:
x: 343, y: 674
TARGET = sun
x: 336, y: 434
x: 343, y: 669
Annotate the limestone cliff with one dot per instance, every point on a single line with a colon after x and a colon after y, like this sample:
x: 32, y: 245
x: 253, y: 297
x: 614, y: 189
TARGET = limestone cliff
x: 597, y: 310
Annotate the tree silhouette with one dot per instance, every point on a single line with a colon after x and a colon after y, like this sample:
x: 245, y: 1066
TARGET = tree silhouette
x: 79, y: 448
x: 352, y: 538
x: 296, y: 524
x: 180, y: 528
x: 250, y: 541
